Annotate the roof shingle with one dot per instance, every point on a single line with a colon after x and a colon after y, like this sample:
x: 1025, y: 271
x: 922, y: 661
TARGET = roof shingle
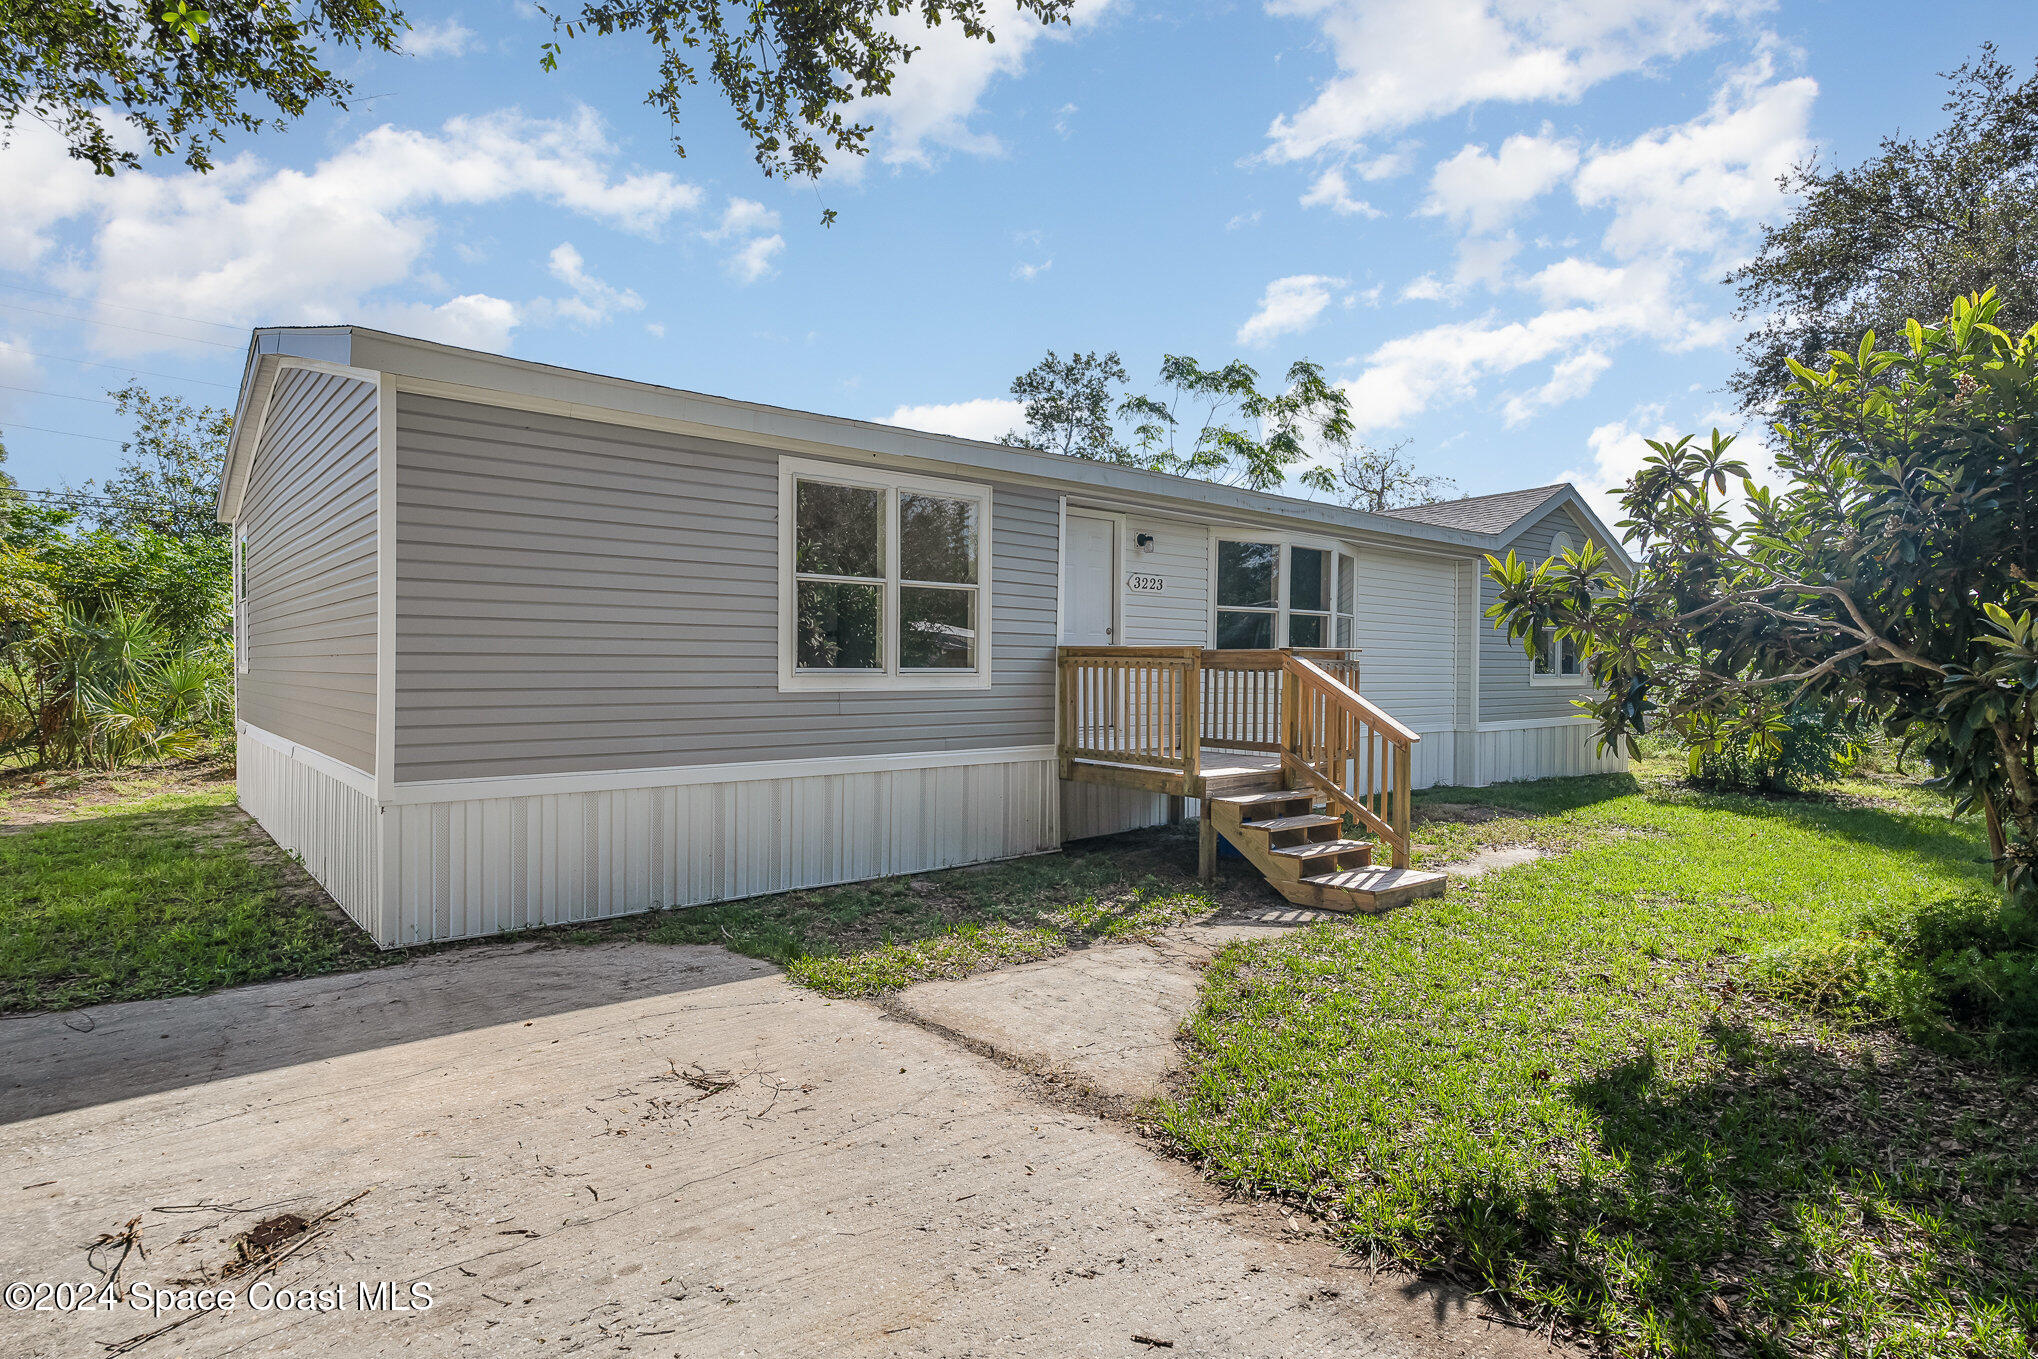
x: 1479, y: 513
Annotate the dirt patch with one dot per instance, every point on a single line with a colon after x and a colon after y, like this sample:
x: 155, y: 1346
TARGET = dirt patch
x: 30, y: 798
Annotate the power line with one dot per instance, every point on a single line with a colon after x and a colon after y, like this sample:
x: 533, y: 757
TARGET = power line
x: 42, y: 391
x: 45, y: 429
x: 126, y: 368
x: 77, y: 498
x: 142, y: 330
x: 124, y: 306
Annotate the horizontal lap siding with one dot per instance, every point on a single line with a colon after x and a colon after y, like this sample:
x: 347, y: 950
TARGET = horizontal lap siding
x: 1408, y: 636
x: 575, y: 596
x: 309, y: 516
x: 1180, y: 614
x: 1505, y: 694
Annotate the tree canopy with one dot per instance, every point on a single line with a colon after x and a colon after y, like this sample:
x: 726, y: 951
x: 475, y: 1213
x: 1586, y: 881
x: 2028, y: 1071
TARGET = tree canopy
x: 1378, y: 479
x: 175, y: 73
x: 1214, y: 423
x: 1892, y: 579
x: 170, y: 479
x: 1922, y: 220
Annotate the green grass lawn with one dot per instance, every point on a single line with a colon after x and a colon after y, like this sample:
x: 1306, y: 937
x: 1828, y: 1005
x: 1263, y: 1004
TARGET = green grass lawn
x: 153, y: 894
x: 1561, y: 1083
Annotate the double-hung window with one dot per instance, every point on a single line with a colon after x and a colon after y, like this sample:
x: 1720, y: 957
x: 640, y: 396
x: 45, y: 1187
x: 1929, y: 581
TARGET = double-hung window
x: 240, y: 584
x: 886, y: 580
x: 1272, y: 594
x: 1556, y: 658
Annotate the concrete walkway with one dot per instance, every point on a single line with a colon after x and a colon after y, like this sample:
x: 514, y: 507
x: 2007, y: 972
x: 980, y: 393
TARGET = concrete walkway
x: 644, y: 1150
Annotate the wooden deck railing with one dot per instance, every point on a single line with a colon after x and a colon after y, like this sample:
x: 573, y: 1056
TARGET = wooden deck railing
x: 1131, y: 705
x: 1159, y: 707
x: 1242, y: 694
x: 1342, y: 746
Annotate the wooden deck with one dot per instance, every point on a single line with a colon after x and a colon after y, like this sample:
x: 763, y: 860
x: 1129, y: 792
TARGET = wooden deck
x: 1219, y: 772
x: 1260, y: 739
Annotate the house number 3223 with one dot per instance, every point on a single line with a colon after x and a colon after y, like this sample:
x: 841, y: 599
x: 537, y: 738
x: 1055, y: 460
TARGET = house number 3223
x: 1143, y: 585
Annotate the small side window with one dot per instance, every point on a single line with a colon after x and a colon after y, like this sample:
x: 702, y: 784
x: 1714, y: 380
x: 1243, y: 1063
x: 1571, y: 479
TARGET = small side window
x: 240, y: 588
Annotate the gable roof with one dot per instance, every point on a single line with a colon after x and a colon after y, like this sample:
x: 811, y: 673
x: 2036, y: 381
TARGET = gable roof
x: 1507, y: 514
x: 1482, y: 513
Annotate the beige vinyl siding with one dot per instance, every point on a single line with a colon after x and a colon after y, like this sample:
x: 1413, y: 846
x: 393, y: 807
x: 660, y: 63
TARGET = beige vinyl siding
x: 1180, y: 614
x: 309, y: 517
x: 574, y: 596
x: 1505, y: 694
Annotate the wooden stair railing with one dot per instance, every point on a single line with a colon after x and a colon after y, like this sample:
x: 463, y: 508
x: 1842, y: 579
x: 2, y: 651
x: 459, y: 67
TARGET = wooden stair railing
x: 1352, y: 753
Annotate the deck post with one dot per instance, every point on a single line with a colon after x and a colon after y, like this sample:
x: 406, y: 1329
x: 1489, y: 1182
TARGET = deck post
x: 1206, y: 845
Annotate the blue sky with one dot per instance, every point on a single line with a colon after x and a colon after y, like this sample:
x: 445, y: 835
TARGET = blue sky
x: 1500, y: 223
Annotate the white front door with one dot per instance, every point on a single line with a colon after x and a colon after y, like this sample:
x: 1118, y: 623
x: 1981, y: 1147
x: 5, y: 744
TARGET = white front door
x: 1089, y: 615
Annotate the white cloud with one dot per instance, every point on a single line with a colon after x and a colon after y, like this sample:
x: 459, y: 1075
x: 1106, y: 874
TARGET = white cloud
x: 1482, y: 193
x: 1686, y: 188
x: 1288, y: 305
x: 1332, y: 191
x: 752, y: 230
x: 474, y: 320
x: 987, y: 417
x: 447, y: 38
x: 744, y: 217
x: 752, y: 260
x: 1570, y: 379
x: 1422, y: 288
x: 251, y: 244
x: 1403, y: 62
x: 1026, y: 273
x: 1617, y: 450
x: 936, y: 94
x: 593, y: 301
x: 1243, y: 219
x: 655, y: 329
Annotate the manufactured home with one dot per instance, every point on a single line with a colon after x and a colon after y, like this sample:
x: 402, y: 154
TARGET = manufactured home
x: 518, y: 645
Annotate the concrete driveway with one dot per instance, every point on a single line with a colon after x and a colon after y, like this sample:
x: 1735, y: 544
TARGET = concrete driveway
x: 633, y: 1149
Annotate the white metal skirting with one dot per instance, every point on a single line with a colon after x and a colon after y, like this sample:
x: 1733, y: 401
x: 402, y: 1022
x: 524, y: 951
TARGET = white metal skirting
x: 462, y: 868
x: 319, y: 815
x: 1552, y: 751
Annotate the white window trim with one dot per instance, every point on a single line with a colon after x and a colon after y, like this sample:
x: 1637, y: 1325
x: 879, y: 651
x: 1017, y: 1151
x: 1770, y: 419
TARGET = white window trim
x: 1336, y: 549
x: 1560, y: 543
x: 240, y: 598
x: 890, y: 678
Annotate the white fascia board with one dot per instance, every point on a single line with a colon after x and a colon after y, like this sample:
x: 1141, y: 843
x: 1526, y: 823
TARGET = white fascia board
x: 492, y: 379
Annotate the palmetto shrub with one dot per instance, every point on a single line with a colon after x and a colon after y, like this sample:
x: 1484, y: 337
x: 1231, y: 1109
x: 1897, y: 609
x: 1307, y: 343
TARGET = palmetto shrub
x: 111, y: 691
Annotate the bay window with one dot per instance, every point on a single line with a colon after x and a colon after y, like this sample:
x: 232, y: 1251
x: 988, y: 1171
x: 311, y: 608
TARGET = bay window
x: 886, y: 580
x: 1275, y: 594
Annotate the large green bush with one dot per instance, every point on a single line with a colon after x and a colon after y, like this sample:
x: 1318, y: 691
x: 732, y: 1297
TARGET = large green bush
x: 1958, y: 974
x: 1808, y: 752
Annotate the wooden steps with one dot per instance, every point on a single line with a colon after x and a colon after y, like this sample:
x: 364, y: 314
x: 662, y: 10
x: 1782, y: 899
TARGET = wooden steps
x: 1303, y: 853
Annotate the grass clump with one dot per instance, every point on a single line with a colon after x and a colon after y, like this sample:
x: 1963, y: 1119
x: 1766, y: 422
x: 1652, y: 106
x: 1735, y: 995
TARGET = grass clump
x: 866, y: 938
x: 1580, y: 1083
